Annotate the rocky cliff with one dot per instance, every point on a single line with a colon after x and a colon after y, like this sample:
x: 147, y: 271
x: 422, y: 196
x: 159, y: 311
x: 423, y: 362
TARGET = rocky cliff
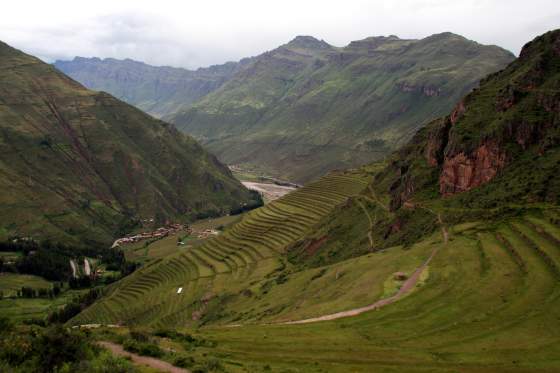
x: 512, y: 116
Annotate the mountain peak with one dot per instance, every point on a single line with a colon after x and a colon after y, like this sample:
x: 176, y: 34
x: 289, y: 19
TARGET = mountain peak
x: 308, y: 42
x: 373, y: 42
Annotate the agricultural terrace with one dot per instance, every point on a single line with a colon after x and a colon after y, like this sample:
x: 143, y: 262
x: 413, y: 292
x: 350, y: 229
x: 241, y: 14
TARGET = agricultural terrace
x: 240, y: 258
x: 489, y: 302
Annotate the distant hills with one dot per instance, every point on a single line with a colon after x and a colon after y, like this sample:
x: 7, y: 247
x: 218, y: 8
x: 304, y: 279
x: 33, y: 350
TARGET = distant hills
x: 158, y: 91
x: 82, y: 166
x: 308, y: 107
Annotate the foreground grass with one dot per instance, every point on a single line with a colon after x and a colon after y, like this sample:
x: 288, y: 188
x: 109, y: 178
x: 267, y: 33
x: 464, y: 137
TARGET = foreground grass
x: 489, y: 303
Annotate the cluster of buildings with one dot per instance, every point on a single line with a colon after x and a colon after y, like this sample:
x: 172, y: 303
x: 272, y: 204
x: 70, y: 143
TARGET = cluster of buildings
x: 158, y: 233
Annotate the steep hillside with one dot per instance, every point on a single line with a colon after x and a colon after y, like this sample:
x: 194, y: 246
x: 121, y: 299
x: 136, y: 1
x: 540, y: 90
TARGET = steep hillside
x: 495, y: 155
x: 459, y: 260
x: 308, y: 107
x: 158, y: 91
x: 79, y: 165
x: 238, y: 267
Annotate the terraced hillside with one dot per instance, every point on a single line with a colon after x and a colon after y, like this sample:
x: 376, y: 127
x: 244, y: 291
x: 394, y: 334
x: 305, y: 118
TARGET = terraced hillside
x: 247, y: 256
x: 490, y: 303
x: 476, y: 191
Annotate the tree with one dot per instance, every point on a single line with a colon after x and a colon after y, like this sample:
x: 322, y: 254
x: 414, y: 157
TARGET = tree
x: 57, y: 346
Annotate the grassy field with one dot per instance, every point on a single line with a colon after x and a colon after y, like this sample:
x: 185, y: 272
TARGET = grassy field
x: 10, y: 283
x: 29, y: 308
x: 489, y: 302
x: 240, y: 267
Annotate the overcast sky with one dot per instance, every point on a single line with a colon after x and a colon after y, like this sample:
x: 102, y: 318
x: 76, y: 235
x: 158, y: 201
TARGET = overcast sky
x: 200, y: 33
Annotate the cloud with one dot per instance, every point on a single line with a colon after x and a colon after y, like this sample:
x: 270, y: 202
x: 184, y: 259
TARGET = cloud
x: 193, y: 33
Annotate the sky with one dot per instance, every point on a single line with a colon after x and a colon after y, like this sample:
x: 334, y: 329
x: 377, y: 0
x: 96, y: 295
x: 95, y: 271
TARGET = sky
x: 200, y: 33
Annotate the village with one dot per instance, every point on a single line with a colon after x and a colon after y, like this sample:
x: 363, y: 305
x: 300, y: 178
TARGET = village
x: 168, y: 230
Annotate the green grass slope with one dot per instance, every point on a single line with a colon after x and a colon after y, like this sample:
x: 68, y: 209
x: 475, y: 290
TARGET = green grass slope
x: 488, y: 301
x: 496, y: 155
x: 307, y: 107
x: 157, y: 90
x: 489, y: 304
x: 79, y: 166
x: 240, y: 268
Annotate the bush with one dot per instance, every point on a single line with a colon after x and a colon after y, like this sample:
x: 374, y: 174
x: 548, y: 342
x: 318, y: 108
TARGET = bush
x: 142, y: 348
x: 57, y: 346
x: 107, y: 363
x: 183, y: 361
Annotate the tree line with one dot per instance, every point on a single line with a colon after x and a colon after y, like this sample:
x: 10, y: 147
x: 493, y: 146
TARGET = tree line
x: 52, y: 260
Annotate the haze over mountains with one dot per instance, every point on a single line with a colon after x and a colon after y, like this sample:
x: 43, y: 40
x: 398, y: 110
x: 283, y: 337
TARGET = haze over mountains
x: 159, y: 91
x: 82, y: 166
x: 308, y: 107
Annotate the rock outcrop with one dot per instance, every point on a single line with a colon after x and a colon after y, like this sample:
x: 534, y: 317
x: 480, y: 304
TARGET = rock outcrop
x: 464, y: 171
x: 514, y: 112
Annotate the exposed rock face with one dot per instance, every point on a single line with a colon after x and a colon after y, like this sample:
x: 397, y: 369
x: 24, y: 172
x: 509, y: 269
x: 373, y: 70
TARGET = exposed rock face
x: 401, y: 190
x: 458, y: 112
x: 514, y: 112
x: 462, y: 172
x: 437, y: 140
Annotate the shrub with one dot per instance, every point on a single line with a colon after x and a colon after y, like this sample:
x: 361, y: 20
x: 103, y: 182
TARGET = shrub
x: 183, y: 361
x: 142, y: 348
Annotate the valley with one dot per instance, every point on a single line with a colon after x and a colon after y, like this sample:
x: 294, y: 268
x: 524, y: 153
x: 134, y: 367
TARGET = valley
x: 269, y: 191
x: 307, y: 107
x: 391, y: 205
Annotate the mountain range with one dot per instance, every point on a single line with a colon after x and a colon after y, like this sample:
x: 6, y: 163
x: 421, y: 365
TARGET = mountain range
x: 308, y: 107
x: 159, y: 91
x: 442, y: 257
x: 82, y: 166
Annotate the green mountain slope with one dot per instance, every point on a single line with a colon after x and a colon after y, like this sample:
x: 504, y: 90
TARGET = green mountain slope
x: 495, y: 155
x: 308, y: 107
x: 468, y: 209
x: 159, y: 91
x: 78, y: 165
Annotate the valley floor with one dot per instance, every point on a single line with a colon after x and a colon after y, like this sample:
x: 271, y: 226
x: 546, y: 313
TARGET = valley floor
x: 269, y: 191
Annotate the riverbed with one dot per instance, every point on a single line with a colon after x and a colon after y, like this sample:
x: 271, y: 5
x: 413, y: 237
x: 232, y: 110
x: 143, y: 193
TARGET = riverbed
x: 269, y: 191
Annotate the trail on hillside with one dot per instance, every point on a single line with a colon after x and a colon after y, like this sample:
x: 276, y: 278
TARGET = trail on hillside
x: 405, y: 288
x: 408, y: 285
x: 371, y: 223
x: 158, y: 364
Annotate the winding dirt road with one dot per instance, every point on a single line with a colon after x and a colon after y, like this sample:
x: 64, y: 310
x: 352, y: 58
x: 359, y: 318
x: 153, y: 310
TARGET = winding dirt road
x: 405, y: 288
x: 408, y: 285
x: 158, y: 364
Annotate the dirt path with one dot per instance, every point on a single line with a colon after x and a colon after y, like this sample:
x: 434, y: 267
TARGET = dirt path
x: 408, y: 285
x: 371, y: 224
x: 160, y: 365
x: 405, y: 288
